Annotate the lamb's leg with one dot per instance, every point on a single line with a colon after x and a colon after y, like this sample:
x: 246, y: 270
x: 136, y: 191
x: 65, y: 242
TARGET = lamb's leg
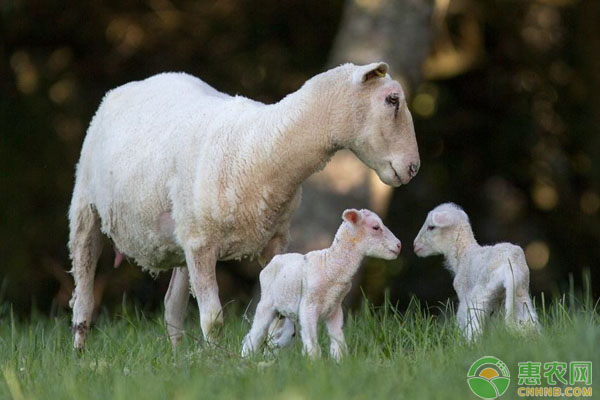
x: 525, y: 312
x: 475, y: 315
x: 262, y: 318
x: 201, y: 268
x: 85, y: 244
x: 461, y: 316
x: 309, y: 318
x: 335, y: 323
x: 176, y: 301
x: 281, y: 332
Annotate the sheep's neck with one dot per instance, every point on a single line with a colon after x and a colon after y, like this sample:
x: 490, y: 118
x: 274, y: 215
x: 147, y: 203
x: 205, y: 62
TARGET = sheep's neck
x: 303, y: 138
x: 457, y: 251
x: 344, y: 257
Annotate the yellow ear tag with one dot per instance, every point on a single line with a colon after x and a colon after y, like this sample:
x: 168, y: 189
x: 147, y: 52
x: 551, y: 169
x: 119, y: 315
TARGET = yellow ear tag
x: 379, y: 73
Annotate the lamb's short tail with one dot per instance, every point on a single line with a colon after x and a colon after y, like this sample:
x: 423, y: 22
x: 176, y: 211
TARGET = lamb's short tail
x: 509, y: 290
x: 520, y: 311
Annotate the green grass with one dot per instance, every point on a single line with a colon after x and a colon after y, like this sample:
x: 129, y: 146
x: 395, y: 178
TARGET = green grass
x: 393, y: 355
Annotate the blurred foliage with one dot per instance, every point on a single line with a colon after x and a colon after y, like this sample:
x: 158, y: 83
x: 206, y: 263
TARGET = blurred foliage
x: 510, y: 132
x: 58, y: 58
x: 514, y: 140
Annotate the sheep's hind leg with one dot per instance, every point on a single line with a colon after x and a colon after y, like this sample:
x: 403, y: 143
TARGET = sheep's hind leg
x: 201, y: 268
x: 525, y: 312
x: 474, y: 316
x: 85, y: 245
x: 176, y: 301
x: 262, y: 319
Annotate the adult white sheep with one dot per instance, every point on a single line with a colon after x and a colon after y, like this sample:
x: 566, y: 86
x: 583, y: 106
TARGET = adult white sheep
x: 484, y: 276
x: 177, y: 174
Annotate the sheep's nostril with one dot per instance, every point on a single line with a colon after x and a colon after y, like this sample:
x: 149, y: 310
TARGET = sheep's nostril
x: 399, y: 245
x: 413, y: 168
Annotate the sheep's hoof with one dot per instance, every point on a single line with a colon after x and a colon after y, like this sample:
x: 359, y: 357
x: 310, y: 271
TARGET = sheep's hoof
x: 80, y: 330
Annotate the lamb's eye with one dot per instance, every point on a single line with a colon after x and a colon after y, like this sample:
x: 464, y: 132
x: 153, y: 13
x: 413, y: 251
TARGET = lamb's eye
x: 430, y: 227
x: 393, y: 99
x: 376, y: 228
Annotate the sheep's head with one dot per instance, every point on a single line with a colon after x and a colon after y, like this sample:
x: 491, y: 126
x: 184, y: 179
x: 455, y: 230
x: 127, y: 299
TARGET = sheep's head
x: 440, y: 229
x: 368, y: 231
x: 385, y: 136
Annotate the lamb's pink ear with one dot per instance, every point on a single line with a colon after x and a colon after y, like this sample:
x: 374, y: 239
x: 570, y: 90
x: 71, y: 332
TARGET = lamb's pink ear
x: 367, y: 72
x: 442, y: 218
x: 351, y: 215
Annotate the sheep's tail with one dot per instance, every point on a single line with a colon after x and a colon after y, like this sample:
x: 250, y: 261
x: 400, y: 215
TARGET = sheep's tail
x: 509, y: 290
x: 520, y: 311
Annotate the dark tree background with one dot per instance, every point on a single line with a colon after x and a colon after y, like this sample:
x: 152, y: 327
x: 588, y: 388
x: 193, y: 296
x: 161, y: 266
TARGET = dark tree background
x: 506, y: 109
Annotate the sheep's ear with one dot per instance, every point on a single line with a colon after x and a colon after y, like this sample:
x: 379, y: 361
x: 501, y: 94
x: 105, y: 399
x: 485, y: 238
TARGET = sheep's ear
x: 352, y: 216
x: 442, y: 218
x: 368, y: 72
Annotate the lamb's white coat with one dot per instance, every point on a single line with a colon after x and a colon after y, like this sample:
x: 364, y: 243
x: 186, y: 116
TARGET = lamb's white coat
x: 177, y: 173
x: 311, y: 287
x: 484, y: 276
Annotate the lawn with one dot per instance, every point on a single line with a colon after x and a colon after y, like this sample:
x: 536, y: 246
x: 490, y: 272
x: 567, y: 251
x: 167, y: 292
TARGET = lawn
x: 415, y: 354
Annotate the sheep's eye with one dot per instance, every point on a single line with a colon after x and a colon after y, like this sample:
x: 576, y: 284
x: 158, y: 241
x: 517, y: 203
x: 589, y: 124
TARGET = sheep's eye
x: 376, y: 228
x: 430, y: 227
x: 393, y: 99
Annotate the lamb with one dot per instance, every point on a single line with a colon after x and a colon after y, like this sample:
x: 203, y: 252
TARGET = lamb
x: 311, y: 287
x: 484, y: 276
x: 179, y: 175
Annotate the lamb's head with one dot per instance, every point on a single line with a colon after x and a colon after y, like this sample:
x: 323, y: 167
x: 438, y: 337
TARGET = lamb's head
x: 367, y: 231
x: 441, y: 229
x: 384, y: 138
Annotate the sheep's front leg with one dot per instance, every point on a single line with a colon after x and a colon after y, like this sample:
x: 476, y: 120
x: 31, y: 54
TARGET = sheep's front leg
x: 276, y: 245
x: 176, y: 301
x: 337, y: 348
x: 309, y: 319
x: 201, y: 267
x: 279, y: 242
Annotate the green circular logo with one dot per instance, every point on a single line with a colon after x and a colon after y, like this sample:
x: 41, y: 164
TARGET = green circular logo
x: 488, y: 377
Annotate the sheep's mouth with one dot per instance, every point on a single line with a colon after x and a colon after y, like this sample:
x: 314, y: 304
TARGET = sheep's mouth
x: 396, y: 175
x: 418, y: 249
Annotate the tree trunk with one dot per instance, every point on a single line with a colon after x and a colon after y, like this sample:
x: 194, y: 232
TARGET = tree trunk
x: 398, y: 32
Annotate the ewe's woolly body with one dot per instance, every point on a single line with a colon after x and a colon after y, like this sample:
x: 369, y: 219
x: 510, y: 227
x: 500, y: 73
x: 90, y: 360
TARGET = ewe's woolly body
x: 192, y: 172
x: 170, y: 162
